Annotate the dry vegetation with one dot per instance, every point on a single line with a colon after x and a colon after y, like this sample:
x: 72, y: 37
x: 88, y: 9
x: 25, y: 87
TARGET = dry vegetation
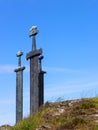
x: 67, y: 115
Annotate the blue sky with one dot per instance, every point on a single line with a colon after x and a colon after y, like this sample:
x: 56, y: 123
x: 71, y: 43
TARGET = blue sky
x: 68, y: 34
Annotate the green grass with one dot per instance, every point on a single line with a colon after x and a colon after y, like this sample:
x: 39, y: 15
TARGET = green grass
x: 29, y: 123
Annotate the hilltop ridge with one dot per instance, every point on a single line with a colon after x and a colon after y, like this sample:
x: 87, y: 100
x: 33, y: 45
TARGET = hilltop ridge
x: 80, y: 114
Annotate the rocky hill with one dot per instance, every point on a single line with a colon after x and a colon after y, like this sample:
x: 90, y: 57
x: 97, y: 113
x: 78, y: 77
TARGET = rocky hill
x: 79, y: 114
x: 5, y: 127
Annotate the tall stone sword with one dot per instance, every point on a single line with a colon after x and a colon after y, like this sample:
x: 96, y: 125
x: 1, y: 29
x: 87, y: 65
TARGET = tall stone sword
x: 19, y: 88
x: 33, y: 55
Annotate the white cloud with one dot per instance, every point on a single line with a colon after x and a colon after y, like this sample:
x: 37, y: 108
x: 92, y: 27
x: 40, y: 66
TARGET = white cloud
x: 10, y: 68
x: 70, y: 90
x: 7, y: 68
x: 60, y: 70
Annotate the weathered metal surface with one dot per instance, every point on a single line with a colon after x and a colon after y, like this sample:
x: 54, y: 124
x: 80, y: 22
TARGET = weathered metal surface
x: 33, y: 31
x: 19, y: 97
x: 41, y: 88
x: 34, y: 43
x: 36, y: 78
x: 19, y: 89
x: 41, y: 82
x: 34, y: 91
x: 32, y: 54
x: 19, y: 54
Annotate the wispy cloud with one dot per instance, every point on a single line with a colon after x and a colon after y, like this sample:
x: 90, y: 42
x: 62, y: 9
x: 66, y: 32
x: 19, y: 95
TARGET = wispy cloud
x: 70, y: 90
x: 7, y: 68
x: 10, y: 68
x: 60, y: 70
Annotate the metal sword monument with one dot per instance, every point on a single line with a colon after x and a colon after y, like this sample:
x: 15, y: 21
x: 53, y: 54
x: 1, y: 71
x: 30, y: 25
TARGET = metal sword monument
x: 19, y: 88
x: 36, y: 74
x: 41, y: 82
